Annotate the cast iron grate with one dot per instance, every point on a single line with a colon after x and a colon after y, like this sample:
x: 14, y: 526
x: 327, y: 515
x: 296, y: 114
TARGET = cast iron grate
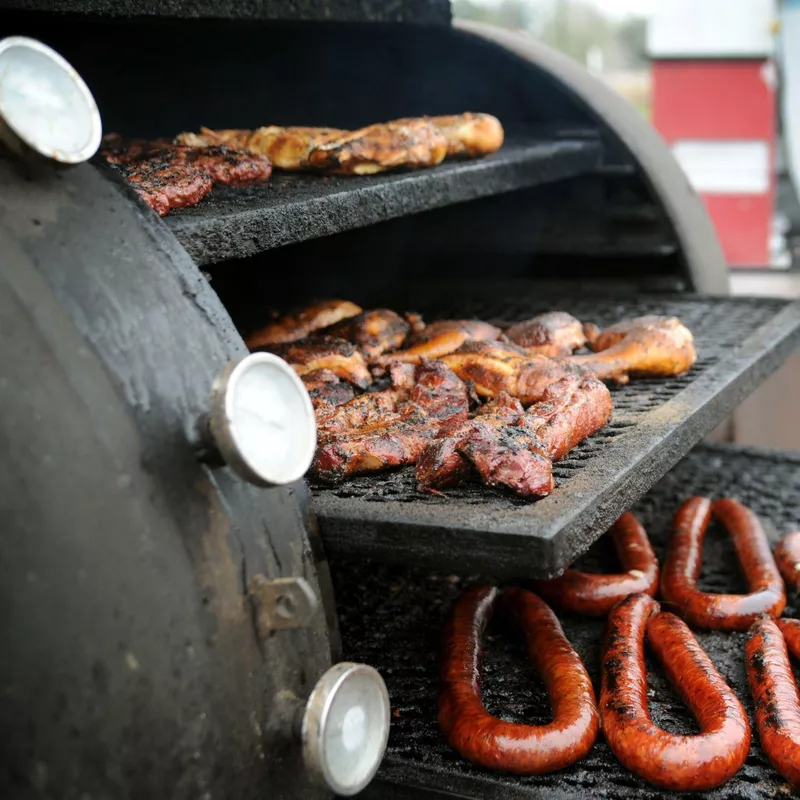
x: 242, y: 221
x: 391, y: 618
x: 739, y: 342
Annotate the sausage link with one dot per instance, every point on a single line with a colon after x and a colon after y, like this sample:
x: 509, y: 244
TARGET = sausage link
x: 727, y: 612
x: 666, y: 760
x: 595, y: 595
x: 787, y: 557
x: 491, y: 742
x: 774, y: 692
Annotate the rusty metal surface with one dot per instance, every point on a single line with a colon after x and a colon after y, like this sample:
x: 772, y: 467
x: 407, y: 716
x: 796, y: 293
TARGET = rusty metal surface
x: 655, y: 422
x: 392, y: 617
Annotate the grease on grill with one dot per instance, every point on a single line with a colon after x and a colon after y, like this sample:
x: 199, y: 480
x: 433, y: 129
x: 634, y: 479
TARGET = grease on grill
x: 391, y: 617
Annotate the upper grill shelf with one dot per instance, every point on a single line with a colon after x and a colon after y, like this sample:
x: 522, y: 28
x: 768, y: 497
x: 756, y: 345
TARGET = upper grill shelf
x: 739, y: 342
x: 242, y: 221
x: 418, y: 11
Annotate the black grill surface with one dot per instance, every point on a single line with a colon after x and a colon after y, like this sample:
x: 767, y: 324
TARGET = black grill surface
x: 242, y: 221
x: 391, y: 618
x: 739, y: 342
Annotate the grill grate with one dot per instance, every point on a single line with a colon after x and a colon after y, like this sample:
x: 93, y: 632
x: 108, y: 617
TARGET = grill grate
x: 739, y: 341
x: 397, y: 630
x: 242, y: 221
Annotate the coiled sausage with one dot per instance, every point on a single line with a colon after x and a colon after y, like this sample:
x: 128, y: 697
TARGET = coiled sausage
x: 728, y: 612
x: 667, y: 760
x: 774, y: 692
x: 787, y: 557
x: 488, y: 741
x: 595, y: 595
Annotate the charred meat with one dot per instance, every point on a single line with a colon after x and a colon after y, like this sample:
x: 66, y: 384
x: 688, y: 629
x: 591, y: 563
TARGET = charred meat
x: 376, y: 148
x: 500, y: 444
x: 553, y: 334
x: 495, y: 367
x: 374, y: 332
x: 301, y: 322
x: 641, y: 347
x: 513, y: 448
x: 324, y: 352
x: 440, y: 338
x: 437, y: 398
x: 407, y: 143
x: 570, y: 411
x: 168, y: 176
x: 358, y: 413
x: 327, y: 390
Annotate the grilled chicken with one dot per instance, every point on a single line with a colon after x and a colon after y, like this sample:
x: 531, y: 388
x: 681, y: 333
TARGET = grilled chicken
x: 168, y: 176
x: 374, y: 332
x: 324, y: 352
x: 644, y: 346
x: 300, y: 323
x: 495, y: 367
x: 440, y: 338
x: 512, y: 448
x: 399, y: 438
x: 376, y: 148
x: 326, y: 389
x: 410, y: 142
x: 553, y: 334
x: 287, y: 148
x: 470, y: 134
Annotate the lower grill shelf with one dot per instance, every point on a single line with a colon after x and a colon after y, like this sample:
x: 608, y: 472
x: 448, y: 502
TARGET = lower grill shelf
x: 739, y: 342
x: 392, y: 617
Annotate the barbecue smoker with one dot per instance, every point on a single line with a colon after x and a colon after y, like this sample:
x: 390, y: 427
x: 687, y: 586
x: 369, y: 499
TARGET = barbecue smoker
x: 165, y: 620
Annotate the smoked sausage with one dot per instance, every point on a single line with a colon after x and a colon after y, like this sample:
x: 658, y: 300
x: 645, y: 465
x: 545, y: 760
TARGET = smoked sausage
x: 666, y: 760
x: 774, y: 692
x: 491, y: 742
x: 727, y: 612
x: 595, y: 595
x: 787, y: 557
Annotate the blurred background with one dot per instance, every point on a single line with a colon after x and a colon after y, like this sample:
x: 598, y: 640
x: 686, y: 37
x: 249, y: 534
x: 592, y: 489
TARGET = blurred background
x: 720, y: 80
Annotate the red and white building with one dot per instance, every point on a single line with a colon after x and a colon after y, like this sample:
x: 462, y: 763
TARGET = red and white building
x: 714, y: 101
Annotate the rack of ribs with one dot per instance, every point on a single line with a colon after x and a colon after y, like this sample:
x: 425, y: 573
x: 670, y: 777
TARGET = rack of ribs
x: 326, y: 390
x: 399, y: 437
x: 513, y: 448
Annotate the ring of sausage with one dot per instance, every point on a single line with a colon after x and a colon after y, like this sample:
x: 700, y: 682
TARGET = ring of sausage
x: 774, y: 692
x: 491, y: 742
x: 728, y: 612
x: 787, y: 557
x: 669, y: 761
x: 595, y: 595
